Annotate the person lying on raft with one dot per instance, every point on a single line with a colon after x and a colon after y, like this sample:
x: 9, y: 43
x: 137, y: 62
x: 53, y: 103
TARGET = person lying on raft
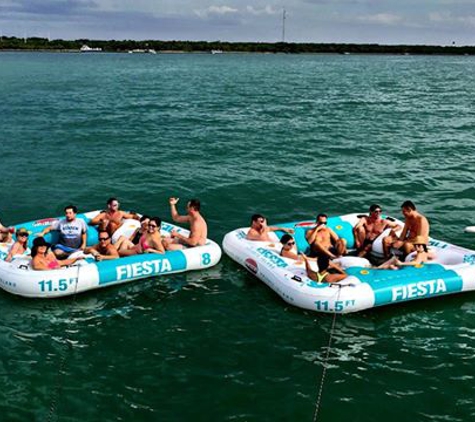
x: 415, y: 225
x: 20, y: 247
x: 104, y: 250
x: 112, y: 218
x: 328, y: 271
x: 420, y: 256
x: 369, y: 228
x: 324, y: 241
x: 259, y: 230
x: 150, y: 242
x: 198, y: 227
x: 129, y: 242
x: 44, y: 260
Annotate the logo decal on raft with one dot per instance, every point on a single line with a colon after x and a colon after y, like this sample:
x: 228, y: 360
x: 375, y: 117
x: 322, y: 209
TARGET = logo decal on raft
x: 421, y: 288
x: 272, y: 257
x: 139, y: 269
x: 44, y: 222
x: 251, y: 265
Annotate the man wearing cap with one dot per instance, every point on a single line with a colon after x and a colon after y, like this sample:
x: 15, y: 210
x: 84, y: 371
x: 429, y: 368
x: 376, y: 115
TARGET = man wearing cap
x: 369, y: 228
x: 415, y: 226
x: 72, y: 233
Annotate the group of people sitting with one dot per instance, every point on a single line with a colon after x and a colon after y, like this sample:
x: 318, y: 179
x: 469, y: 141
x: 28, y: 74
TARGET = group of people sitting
x: 73, y: 236
x: 325, y: 245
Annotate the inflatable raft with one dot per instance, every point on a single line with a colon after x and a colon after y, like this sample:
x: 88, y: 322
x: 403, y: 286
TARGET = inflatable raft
x: 17, y: 277
x: 452, y: 271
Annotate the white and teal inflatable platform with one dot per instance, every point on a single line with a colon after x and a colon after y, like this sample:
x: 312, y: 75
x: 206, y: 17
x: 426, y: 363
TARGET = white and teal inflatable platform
x: 17, y: 277
x: 453, y: 271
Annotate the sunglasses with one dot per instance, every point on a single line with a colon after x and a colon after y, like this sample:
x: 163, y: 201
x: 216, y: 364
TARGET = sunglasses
x: 290, y: 243
x: 103, y: 239
x: 22, y: 235
x: 322, y: 222
x: 152, y: 225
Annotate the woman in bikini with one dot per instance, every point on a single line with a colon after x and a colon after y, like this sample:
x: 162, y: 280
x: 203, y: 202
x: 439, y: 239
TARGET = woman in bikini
x: 20, y: 247
x: 150, y: 241
x: 44, y: 260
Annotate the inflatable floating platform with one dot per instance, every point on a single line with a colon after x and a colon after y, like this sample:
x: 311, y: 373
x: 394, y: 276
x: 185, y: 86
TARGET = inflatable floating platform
x: 452, y: 271
x: 17, y: 277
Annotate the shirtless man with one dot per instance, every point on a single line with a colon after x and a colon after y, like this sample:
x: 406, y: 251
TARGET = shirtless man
x: 112, y: 218
x: 198, y: 227
x: 259, y: 230
x: 369, y: 228
x: 415, y: 225
x: 104, y: 249
x: 324, y: 241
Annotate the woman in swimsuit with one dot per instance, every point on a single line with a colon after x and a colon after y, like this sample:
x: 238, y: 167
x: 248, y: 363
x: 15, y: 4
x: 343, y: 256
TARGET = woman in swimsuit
x: 328, y: 271
x: 124, y: 243
x: 150, y: 241
x: 44, y: 260
x: 20, y: 247
x: 420, y: 256
x: 289, y: 250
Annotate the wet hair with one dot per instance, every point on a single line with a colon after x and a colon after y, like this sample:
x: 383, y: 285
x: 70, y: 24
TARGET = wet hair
x: 285, y: 238
x: 323, y: 262
x: 144, y: 217
x: 256, y: 217
x: 321, y: 215
x: 423, y: 245
x: 71, y: 207
x: 374, y: 207
x: 157, y: 220
x: 195, y: 204
x: 111, y: 200
x: 409, y: 205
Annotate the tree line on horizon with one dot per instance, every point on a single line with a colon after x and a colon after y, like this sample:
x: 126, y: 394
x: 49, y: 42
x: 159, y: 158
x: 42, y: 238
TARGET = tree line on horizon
x: 37, y: 43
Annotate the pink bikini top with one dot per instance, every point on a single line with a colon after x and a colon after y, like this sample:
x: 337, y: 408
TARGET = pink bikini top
x: 53, y: 265
x: 143, y: 243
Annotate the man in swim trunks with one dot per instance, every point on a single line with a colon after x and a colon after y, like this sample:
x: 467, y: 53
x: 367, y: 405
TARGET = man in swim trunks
x: 72, y: 233
x: 415, y: 226
x: 324, y: 241
x: 5, y: 233
x: 259, y: 230
x: 112, y: 218
x: 369, y: 228
x: 198, y: 227
x: 104, y: 249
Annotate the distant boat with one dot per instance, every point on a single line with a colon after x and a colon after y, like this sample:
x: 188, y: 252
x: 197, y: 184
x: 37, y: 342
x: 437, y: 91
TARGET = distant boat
x: 216, y: 51
x: 142, y: 51
x: 86, y: 49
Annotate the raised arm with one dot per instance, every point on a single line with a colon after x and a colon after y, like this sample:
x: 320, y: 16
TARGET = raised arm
x: 175, y: 216
x: 282, y: 229
x: 97, y: 219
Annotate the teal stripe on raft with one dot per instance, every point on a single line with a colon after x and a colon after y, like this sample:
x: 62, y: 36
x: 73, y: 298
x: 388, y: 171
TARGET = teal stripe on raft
x: 137, y: 266
x: 409, y: 283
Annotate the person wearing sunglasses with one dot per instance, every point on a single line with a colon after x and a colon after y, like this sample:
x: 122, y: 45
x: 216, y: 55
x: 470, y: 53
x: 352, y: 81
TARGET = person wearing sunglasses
x: 104, y: 250
x: 369, y: 228
x: 112, y: 218
x: 260, y: 231
x: 150, y: 241
x: 289, y: 249
x: 324, y: 241
x: 20, y: 247
x: 125, y: 243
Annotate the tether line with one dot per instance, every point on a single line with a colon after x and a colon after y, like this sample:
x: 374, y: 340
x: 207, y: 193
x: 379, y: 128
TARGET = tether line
x: 62, y: 362
x: 325, y: 362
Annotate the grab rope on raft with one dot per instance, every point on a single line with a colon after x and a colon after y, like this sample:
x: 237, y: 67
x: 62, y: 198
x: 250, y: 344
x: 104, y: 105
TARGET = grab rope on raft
x: 325, y: 362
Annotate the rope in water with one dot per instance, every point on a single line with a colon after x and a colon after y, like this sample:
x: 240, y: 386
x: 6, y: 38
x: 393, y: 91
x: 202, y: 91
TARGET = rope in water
x: 325, y: 362
x: 62, y: 363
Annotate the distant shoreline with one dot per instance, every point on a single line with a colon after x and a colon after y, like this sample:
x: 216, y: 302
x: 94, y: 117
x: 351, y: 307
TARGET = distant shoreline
x: 35, y: 44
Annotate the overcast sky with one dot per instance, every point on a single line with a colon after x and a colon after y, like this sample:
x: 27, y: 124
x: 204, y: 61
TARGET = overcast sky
x: 437, y: 22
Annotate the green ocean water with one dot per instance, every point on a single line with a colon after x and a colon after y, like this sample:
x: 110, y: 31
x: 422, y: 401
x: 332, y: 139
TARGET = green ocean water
x: 288, y: 136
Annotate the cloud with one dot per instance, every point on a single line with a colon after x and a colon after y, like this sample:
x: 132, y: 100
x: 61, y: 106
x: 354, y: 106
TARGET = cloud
x: 216, y: 10
x: 267, y: 10
x: 382, y: 18
x: 449, y: 18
